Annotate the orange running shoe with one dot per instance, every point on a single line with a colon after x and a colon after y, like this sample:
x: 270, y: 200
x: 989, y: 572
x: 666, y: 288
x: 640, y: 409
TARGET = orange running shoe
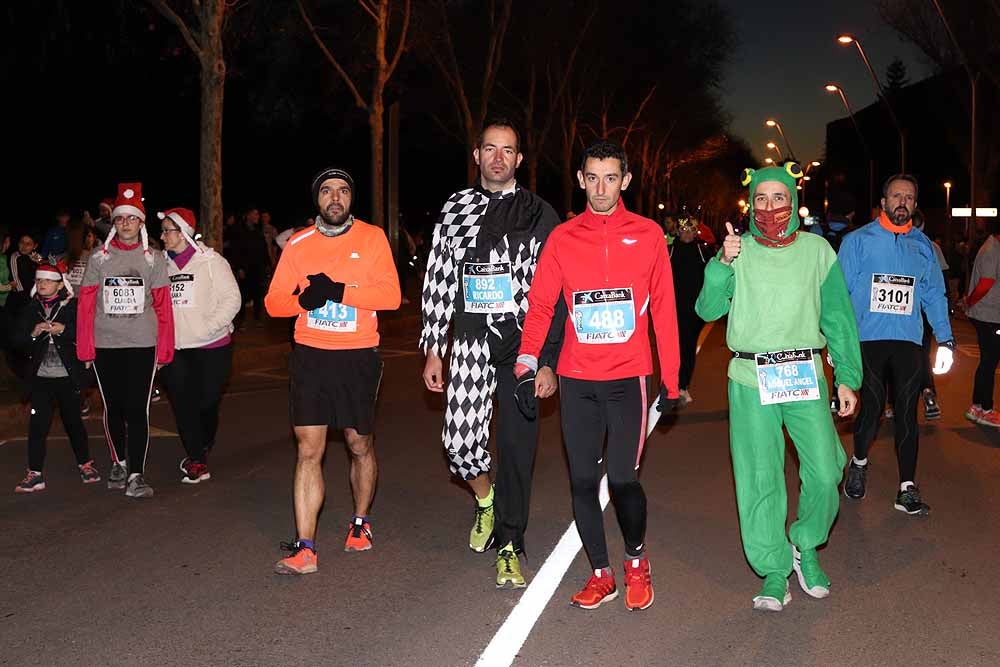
x: 989, y: 418
x: 359, y: 537
x: 638, y: 586
x: 302, y: 560
x: 600, y: 588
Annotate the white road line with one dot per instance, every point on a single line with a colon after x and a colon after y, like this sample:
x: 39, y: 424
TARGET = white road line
x: 509, y: 639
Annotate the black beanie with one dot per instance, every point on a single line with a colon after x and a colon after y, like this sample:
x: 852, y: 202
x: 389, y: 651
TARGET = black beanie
x: 326, y: 174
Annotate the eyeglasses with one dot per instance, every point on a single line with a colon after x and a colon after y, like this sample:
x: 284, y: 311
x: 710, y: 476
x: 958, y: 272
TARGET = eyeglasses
x: 131, y: 219
x: 167, y: 230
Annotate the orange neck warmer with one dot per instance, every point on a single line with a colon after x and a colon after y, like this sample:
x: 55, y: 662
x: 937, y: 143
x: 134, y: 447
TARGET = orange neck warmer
x: 884, y: 220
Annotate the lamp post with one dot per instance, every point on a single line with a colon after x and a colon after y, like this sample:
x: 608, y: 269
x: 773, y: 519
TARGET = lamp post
x: 847, y: 40
x: 834, y: 88
x: 947, y: 197
x: 768, y: 160
x: 774, y: 147
x: 770, y: 122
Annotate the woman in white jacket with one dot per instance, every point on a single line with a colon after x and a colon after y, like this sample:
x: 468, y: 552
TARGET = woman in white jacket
x: 205, y: 298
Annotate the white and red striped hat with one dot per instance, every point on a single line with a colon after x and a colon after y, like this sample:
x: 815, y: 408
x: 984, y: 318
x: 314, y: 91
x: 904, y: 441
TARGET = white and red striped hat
x: 185, y: 221
x: 49, y: 271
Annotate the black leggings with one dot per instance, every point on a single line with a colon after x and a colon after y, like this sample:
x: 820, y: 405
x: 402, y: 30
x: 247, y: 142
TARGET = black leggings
x: 689, y: 325
x: 194, y: 380
x: 45, y: 391
x: 989, y: 357
x: 589, y: 410
x: 125, y: 378
x: 902, y: 361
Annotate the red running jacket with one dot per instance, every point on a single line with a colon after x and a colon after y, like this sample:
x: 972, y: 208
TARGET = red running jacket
x: 613, y: 271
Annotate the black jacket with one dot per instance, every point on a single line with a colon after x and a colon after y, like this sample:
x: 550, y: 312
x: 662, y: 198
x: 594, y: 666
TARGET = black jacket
x: 64, y: 312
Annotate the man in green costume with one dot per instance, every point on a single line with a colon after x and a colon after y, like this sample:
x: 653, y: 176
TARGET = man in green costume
x: 786, y: 299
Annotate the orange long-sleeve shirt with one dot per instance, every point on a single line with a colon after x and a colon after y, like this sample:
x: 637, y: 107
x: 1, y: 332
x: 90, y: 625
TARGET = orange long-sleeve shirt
x: 362, y: 260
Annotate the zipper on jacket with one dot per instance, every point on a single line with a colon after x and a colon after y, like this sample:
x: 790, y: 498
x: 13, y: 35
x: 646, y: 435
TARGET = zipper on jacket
x: 607, y: 259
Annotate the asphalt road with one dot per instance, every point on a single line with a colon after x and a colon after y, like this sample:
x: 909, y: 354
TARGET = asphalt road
x: 89, y: 577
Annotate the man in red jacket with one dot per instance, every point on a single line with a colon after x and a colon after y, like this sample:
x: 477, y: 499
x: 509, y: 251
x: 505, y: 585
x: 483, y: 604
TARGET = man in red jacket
x: 611, y: 266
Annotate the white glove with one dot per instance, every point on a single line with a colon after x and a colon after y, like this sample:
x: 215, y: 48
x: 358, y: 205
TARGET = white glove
x: 943, y: 360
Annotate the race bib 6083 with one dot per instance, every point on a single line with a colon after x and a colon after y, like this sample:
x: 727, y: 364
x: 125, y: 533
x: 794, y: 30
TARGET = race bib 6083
x: 124, y: 295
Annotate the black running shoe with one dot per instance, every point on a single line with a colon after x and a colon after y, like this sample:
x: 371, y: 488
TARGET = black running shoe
x: 857, y: 481
x: 931, y: 408
x: 909, y: 501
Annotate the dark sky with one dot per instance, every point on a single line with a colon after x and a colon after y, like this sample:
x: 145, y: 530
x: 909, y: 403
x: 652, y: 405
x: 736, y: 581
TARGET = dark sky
x: 788, y: 51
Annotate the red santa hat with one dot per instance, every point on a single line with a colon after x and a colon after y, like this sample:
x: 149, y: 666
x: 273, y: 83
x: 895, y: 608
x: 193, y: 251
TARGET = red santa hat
x: 49, y: 271
x: 185, y: 221
x: 128, y: 202
x: 107, y: 202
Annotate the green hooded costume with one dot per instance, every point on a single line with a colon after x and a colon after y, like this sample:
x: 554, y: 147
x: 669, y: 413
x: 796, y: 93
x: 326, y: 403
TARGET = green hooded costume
x: 783, y: 293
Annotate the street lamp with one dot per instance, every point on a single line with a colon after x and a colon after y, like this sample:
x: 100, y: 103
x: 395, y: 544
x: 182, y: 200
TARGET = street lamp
x: 774, y: 147
x: 834, y: 88
x: 768, y: 160
x: 770, y: 122
x: 846, y: 40
x: 947, y: 197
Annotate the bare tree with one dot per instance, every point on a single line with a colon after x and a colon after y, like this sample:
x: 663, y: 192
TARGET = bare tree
x: 380, y: 12
x: 471, y: 113
x: 204, y: 37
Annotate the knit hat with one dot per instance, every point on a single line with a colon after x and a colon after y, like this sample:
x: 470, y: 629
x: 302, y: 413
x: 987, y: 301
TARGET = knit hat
x: 788, y: 175
x: 327, y: 174
x: 185, y: 221
x: 50, y: 271
x: 128, y: 202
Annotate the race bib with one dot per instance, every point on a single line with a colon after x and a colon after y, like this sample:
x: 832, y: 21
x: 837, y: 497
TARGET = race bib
x: 604, y: 315
x: 75, y: 275
x: 488, y: 288
x: 786, y: 377
x: 124, y: 295
x: 182, y: 290
x: 892, y: 294
x: 333, y: 317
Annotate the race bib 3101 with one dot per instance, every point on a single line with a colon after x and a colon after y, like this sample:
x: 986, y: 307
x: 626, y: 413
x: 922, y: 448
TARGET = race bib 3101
x: 892, y: 294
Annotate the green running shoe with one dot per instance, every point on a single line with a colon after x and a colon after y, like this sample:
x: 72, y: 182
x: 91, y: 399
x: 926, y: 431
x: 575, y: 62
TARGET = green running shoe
x: 774, y: 595
x: 509, y: 568
x: 481, y: 537
x: 812, y: 578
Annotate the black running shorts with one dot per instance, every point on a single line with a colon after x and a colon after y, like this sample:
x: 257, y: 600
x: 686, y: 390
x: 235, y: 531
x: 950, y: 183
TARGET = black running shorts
x: 335, y: 388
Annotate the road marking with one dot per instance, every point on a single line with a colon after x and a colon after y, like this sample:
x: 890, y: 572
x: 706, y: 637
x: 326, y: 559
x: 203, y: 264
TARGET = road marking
x: 154, y: 432
x: 509, y: 639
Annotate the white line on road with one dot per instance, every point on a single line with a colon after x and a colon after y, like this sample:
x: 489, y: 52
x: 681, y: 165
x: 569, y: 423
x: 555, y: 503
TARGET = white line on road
x: 509, y: 639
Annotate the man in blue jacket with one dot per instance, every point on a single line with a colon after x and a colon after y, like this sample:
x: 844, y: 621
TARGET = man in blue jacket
x: 892, y: 274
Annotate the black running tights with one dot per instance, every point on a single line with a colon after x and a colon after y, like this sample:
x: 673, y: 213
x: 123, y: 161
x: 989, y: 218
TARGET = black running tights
x: 591, y: 409
x: 902, y: 360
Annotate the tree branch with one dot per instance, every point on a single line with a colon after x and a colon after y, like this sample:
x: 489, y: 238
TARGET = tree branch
x: 402, y: 42
x: 368, y: 8
x: 637, y: 114
x: 169, y: 14
x: 358, y: 100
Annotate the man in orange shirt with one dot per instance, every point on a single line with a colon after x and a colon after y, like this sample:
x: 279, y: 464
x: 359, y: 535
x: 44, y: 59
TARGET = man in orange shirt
x: 332, y: 277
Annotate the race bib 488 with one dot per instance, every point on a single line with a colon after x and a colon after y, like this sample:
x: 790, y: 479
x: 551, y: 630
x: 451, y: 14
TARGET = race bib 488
x: 604, y: 316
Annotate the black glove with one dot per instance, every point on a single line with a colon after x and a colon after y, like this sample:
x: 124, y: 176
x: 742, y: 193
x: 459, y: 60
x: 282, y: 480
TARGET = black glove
x: 320, y: 290
x: 664, y: 404
x: 524, y: 395
x: 329, y: 289
x: 311, y: 299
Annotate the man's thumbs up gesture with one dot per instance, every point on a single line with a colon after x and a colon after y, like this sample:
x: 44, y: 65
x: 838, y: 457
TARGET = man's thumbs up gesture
x: 730, y: 245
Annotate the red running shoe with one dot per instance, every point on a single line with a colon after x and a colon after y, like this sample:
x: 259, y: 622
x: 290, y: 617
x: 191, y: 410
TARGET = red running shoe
x: 302, y: 560
x: 359, y: 537
x: 600, y: 588
x: 638, y: 587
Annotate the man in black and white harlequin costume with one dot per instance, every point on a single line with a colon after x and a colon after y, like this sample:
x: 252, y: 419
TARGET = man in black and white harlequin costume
x: 483, y: 256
